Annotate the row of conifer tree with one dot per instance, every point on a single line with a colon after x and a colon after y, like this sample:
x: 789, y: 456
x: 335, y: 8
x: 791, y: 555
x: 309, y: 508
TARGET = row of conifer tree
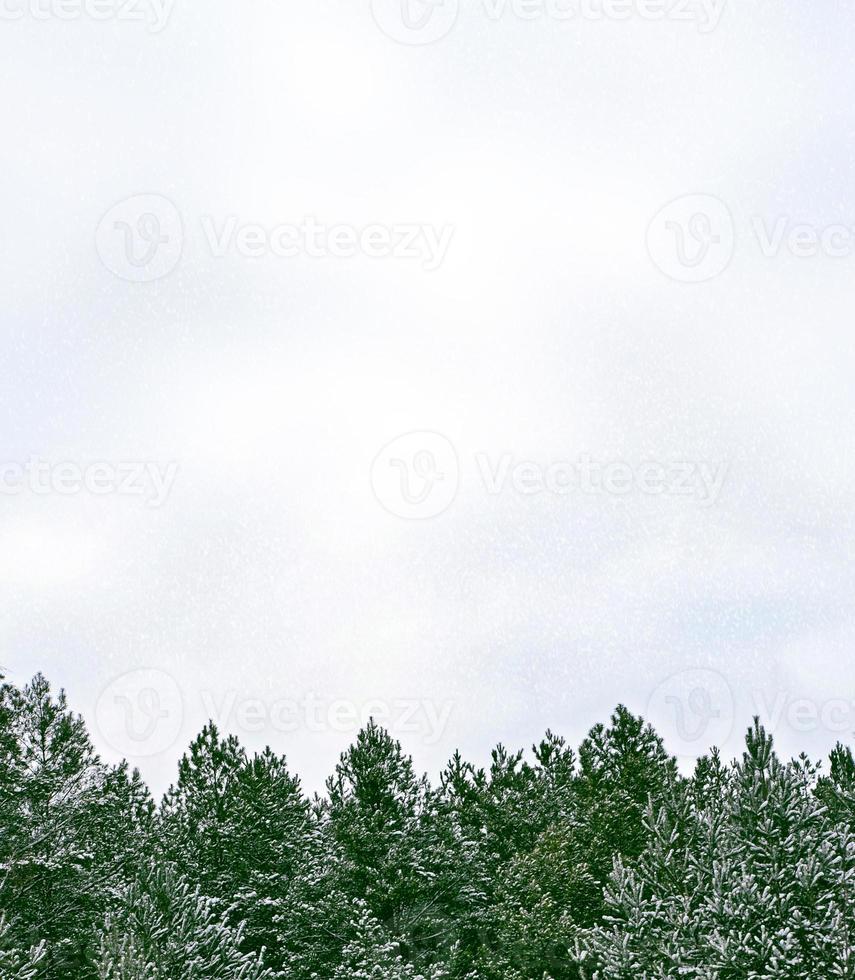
x: 604, y: 862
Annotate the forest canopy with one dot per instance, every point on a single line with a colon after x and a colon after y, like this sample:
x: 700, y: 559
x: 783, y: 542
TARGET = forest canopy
x: 596, y: 863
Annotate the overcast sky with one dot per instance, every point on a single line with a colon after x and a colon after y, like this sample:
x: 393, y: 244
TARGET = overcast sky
x: 479, y: 384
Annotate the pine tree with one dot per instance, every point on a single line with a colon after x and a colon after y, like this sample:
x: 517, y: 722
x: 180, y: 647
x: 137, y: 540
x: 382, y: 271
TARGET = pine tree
x: 383, y: 845
x: 491, y: 816
x: 837, y: 789
x: 784, y: 902
x: 273, y: 847
x: 371, y: 955
x: 197, y: 814
x: 654, y: 926
x: 163, y: 929
x: 241, y: 828
x: 539, y: 888
x: 543, y: 900
x: 742, y: 876
x: 620, y: 768
x: 609, y: 866
x: 124, y: 831
x: 52, y: 781
x: 16, y: 964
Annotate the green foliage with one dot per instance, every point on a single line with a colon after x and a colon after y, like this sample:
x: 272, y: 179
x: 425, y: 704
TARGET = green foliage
x: 837, y: 790
x: 620, y: 768
x: 164, y: 929
x: 752, y: 881
x: 16, y: 963
x: 240, y: 828
x: 71, y: 829
x: 544, y: 898
x: 371, y: 955
x: 604, y: 864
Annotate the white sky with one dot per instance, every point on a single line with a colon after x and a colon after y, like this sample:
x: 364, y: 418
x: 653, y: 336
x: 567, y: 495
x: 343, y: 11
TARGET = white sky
x: 272, y: 571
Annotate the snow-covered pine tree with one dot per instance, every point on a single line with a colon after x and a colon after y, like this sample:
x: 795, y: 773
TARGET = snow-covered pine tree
x: 488, y: 818
x: 15, y: 963
x: 164, y: 929
x: 372, y: 955
x: 383, y: 844
x: 51, y: 785
x: 531, y: 854
x: 124, y: 834
x: 197, y: 818
x: 543, y: 900
x: 548, y: 893
x: 779, y: 894
x: 241, y: 828
x: 743, y: 876
x: 273, y: 842
x: 620, y: 767
x: 655, y: 919
x: 837, y: 789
